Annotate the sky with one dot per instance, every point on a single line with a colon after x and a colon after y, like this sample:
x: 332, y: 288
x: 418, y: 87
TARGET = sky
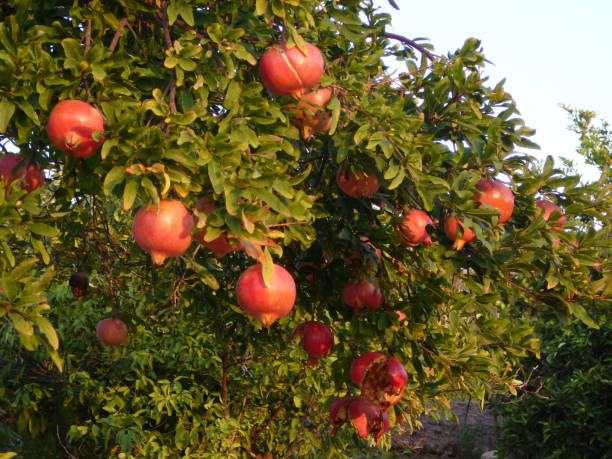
x: 551, y: 52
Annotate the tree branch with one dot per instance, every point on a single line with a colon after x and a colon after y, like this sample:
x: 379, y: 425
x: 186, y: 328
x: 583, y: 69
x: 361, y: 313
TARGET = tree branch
x: 412, y: 44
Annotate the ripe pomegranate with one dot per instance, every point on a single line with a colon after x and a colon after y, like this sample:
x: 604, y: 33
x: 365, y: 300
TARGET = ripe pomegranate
x: 30, y: 179
x: 266, y: 302
x: 414, y: 227
x: 497, y: 195
x: 287, y: 71
x: 111, y: 331
x: 309, y: 117
x: 79, y: 283
x: 548, y: 208
x: 450, y: 228
x: 317, y: 339
x: 166, y: 233
x: 71, y: 125
x: 360, y: 185
x: 365, y: 416
x: 382, y: 378
x: 362, y: 294
x: 219, y: 246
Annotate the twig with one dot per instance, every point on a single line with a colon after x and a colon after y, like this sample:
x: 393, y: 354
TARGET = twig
x: 244, y: 400
x: 117, y: 35
x: 412, y: 44
x: 64, y: 447
x: 169, y: 47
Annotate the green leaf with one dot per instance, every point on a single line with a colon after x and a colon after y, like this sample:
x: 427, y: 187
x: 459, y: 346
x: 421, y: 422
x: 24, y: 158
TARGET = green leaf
x: 22, y: 325
x: 42, y: 229
x: 73, y: 49
x: 47, y: 329
x: 148, y: 185
x: 129, y: 193
x: 267, y: 270
x: 579, y: 311
x: 216, y: 176
x: 40, y: 248
x: 7, y: 109
x: 113, y: 178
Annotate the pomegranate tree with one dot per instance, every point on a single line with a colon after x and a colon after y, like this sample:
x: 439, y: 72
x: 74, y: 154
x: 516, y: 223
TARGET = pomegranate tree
x: 382, y: 378
x: 366, y: 417
x: 359, y: 185
x: 220, y: 246
x: 79, y: 283
x: 266, y: 301
x: 414, y: 228
x: 362, y: 294
x: 317, y: 339
x: 548, y: 208
x: 30, y: 178
x: 451, y: 231
x: 311, y: 116
x: 164, y: 233
x: 497, y: 195
x: 111, y: 331
x: 71, y: 126
x: 287, y: 71
x: 357, y: 256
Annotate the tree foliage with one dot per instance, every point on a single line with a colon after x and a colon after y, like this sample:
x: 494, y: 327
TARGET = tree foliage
x: 186, y: 116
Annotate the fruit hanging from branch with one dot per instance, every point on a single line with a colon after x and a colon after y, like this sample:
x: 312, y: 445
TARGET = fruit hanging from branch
x: 79, y: 283
x: 164, y: 233
x: 266, y: 301
x: 30, y: 178
x: 310, y: 115
x: 71, y: 126
x: 111, y: 331
x: 362, y: 295
x: 317, y: 339
x: 497, y: 195
x: 414, y: 228
x: 382, y: 378
x: 287, y: 71
x: 359, y: 185
x: 548, y: 208
x: 220, y: 246
x: 365, y: 416
x: 450, y: 229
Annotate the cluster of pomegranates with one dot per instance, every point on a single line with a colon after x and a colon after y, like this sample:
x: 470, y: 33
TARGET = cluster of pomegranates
x: 382, y: 380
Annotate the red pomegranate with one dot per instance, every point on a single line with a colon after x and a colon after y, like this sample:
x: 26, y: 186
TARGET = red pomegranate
x: 30, y: 179
x: 450, y: 228
x: 414, y: 227
x: 497, y: 195
x: 266, y: 302
x: 220, y: 246
x: 362, y: 294
x: 548, y: 208
x: 365, y: 416
x: 287, y: 71
x: 382, y: 378
x: 310, y: 116
x: 166, y: 233
x: 317, y: 339
x: 79, y: 283
x: 111, y: 331
x: 71, y: 125
x: 360, y: 185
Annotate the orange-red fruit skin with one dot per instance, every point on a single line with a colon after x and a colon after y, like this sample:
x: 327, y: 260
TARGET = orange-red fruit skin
x: 266, y: 302
x: 359, y: 185
x: 308, y: 116
x: 414, y: 228
x: 318, y: 339
x: 548, y: 208
x: 71, y: 125
x: 164, y: 234
x: 362, y: 294
x: 111, y: 331
x: 361, y: 364
x: 219, y: 246
x: 31, y: 179
x: 450, y: 229
x: 288, y: 71
x: 498, y: 196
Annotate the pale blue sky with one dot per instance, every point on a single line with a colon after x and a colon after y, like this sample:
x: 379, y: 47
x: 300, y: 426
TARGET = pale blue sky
x: 549, y: 51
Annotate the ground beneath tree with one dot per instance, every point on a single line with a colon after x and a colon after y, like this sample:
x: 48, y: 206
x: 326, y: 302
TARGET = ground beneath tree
x: 473, y: 435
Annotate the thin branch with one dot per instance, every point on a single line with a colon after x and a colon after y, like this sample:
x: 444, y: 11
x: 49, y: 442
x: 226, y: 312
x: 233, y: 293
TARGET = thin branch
x: 412, y: 44
x: 87, y: 36
x: 117, y: 35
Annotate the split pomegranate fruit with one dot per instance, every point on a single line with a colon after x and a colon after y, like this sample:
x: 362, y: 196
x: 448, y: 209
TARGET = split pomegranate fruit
x: 111, y: 331
x: 548, y: 208
x: 30, y: 178
x: 497, y: 195
x: 287, y: 71
x: 382, y: 378
x: 362, y: 295
x: 317, y: 340
x: 366, y: 417
x: 359, y: 185
x: 266, y: 302
x: 79, y: 283
x: 71, y: 125
x: 164, y: 233
x: 220, y: 246
x: 450, y: 229
x: 414, y: 228
x: 311, y: 116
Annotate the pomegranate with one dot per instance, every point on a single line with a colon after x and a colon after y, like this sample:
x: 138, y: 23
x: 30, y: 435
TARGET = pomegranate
x: 317, y: 339
x: 382, y: 378
x: 30, y: 179
x: 365, y: 416
x: 220, y: 246
x: 111, y: 331
x: 71, y: 125
x: 266, y: 302
x: 362, y: 294
x: 497, y: 195
x: 310, y: 116
x: 79, y: 283
x: 287, y: 71
x: 414, y: 228
x: 357, y: 256
x: 166, y: 233
x: 360, y: 185
x: 548, y: 208
x: 450, y: 228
